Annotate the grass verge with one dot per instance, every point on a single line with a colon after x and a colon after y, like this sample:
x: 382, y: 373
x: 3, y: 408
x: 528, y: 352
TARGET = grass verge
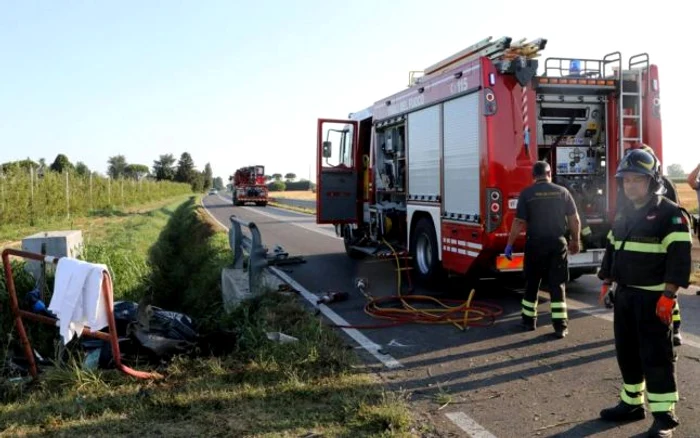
x: 263, y: 389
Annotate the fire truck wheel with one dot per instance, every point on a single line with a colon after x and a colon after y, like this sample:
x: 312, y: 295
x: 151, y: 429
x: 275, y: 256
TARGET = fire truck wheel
x: 261, y: 204
x: 424, y: 250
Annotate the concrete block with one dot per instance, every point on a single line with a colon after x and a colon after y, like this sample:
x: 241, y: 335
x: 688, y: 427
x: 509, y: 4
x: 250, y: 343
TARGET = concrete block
x: 57, y: 243
x: 235, y: 286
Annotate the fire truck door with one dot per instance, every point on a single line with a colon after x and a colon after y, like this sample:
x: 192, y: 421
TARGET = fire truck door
x: 337, y: 182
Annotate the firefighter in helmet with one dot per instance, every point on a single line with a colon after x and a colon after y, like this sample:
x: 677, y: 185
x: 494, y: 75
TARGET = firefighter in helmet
x: 647, y: 259
x: 668, y: 190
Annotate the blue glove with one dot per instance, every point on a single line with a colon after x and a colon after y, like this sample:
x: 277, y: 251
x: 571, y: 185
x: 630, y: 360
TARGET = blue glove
x: 509, y: 252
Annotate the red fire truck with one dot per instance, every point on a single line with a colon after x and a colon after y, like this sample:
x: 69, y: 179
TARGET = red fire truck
x: 249, y: 186
x: 436, y: 169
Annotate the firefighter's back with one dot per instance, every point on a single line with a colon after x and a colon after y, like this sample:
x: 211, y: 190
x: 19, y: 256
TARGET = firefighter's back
x: 545, y: 207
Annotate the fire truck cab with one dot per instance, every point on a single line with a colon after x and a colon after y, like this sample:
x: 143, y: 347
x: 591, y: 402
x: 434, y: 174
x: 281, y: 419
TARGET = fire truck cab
x: 435, y: 170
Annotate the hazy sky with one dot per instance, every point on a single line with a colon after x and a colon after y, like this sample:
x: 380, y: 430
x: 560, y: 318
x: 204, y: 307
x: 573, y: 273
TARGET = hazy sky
x: 237, y: 83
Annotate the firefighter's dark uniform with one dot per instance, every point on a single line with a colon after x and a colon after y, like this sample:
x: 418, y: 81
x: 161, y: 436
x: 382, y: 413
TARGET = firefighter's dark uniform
x: 671, y: 193
x: 647, y: 248
x: 544, y: 206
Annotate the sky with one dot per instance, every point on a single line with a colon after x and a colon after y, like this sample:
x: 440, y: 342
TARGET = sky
x: 238, y: 83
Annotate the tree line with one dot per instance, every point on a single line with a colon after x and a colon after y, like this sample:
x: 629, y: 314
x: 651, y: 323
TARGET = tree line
x: 165, y: 168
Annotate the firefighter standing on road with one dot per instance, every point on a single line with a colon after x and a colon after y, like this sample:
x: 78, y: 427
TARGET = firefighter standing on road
x: 646, y: 260
x: 544, y: 208
x: 668, y: 190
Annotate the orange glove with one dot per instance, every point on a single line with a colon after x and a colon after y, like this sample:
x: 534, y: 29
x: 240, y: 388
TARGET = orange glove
x: 664, y: 309
x: 603, y: 292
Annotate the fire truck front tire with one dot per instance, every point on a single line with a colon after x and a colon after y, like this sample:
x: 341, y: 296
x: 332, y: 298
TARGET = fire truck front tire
x: 424, y: 249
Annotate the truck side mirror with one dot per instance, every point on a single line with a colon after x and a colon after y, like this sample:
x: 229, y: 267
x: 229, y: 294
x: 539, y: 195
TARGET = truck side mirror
x: 327, y: 145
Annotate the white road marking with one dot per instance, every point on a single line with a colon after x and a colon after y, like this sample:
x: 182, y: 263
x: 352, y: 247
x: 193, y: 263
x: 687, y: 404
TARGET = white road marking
x: 467, y: 424
x: 290, y: 221
x: 362, y: 340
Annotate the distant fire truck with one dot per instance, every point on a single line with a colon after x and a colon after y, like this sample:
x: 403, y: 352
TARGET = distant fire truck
x: 436, y: 169
x: 249, y: 186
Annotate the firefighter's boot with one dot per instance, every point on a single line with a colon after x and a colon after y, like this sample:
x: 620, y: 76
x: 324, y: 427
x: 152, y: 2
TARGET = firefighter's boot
x: 623, y: 412
x: 561, y: 331
x: 528, y: 323
x: 664, y: 423
x: 677, y: 339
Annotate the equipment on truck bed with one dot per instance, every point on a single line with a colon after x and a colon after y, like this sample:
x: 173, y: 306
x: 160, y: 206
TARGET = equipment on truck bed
x: 436, y: 169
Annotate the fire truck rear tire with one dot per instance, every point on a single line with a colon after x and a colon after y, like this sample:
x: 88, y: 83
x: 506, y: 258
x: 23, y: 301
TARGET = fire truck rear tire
x: 424, y: 252
x: 261, y: 204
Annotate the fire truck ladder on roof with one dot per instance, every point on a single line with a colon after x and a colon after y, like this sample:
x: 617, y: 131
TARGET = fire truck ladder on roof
x: 500, y: 49
x: 631, y: 100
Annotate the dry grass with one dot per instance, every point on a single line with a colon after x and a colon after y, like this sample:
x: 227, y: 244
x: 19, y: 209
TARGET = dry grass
x: 304, y: 195
x: 687, y: 197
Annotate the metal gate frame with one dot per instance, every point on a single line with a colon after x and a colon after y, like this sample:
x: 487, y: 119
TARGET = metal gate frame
x: 18, y: 314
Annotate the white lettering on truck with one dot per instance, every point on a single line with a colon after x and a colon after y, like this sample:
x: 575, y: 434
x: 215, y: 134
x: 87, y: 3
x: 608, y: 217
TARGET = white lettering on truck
x: 459, y: 86
x: 406, y: 104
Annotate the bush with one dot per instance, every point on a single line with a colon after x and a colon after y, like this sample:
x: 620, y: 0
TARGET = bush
x: 299, y: 185
x: 186, y: 266
x: 277, y: 186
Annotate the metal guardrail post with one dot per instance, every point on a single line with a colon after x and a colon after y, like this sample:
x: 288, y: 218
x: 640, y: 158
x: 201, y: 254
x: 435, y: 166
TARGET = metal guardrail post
x: 235, y: 239
x: 257, y: 256
x: 257, y: 260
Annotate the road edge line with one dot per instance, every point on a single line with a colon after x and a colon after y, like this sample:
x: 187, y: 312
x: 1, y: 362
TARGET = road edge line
x: 366, y: 343
x: 201, y: 201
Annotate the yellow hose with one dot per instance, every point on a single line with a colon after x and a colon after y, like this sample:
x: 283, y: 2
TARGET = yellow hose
x: 443, y: 314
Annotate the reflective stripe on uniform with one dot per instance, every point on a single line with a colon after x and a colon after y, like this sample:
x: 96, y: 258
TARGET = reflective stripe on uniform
x: 559, y: 310
x: 633, y: 394
x: 586, y: 231
x: 662, y: 402
x: 529, y: 308
x: 655, y: 288
x: 655, y: 248
x: 676, y: 313
x: 676, y: 236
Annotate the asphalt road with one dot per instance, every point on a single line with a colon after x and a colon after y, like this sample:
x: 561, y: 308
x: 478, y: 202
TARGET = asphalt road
x: 485, y: 381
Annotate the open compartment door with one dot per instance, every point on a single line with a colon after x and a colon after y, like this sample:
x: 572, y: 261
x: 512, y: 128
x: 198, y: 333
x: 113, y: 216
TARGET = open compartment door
x: 337, y: 174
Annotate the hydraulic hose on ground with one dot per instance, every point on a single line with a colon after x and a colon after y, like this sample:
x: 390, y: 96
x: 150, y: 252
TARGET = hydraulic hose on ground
x: 460, y: 313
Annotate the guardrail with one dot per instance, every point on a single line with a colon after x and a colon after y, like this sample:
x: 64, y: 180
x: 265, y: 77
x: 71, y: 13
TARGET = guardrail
x: 257, y: 254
